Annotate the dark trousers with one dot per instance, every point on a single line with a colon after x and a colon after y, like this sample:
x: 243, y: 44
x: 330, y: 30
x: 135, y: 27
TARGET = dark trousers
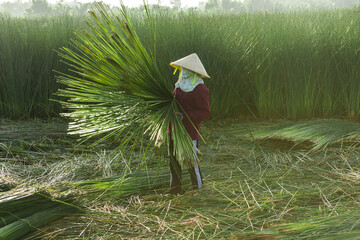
x: 176, y: 173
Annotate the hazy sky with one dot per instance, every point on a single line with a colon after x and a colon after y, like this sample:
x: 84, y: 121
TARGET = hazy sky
x: 130, y: 3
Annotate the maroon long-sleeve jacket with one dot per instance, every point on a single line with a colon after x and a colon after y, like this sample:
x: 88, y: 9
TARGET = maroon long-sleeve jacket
x: 194, y: 105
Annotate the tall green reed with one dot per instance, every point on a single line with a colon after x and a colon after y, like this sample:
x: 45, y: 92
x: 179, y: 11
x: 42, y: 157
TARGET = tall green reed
x: 27, y: 61
x: 270, y: 65
x: 263, y: 65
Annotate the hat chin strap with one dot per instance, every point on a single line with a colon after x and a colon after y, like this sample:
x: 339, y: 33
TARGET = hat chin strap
x: 176, y: 69
x: 193, y: 82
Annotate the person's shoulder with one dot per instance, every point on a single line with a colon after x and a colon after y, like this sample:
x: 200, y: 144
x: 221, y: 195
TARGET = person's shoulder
x: 201, y: 87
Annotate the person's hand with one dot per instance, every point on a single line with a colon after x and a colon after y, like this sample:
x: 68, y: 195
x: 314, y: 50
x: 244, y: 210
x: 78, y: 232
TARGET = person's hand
x: 180, y: 114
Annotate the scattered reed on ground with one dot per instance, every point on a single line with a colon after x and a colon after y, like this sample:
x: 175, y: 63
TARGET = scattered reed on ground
x: 251, y: 190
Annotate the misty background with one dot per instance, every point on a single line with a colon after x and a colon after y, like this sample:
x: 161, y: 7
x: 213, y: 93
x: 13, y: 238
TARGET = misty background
x: 31, y: 8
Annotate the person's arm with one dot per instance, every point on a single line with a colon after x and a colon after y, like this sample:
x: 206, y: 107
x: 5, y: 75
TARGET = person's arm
x: 178, y: 113
x: 201, y: 98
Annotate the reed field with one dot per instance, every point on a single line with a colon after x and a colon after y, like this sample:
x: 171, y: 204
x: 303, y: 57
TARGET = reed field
x: 279, y: 155
x: 27, y: 63
x: 263, y: 65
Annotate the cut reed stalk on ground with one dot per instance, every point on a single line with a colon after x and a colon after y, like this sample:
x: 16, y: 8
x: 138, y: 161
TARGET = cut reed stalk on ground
x: 248, y: 187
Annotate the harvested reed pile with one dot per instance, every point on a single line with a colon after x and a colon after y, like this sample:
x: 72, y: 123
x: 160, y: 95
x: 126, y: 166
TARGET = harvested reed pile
x: 24, y: 212
x: 321, y: 133
x: 123, y: 186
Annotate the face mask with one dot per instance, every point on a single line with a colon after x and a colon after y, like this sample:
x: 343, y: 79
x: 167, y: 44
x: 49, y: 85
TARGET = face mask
x: 188, y: 80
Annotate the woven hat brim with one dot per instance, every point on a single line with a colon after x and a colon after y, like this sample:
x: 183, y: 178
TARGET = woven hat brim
x: 193, y: 63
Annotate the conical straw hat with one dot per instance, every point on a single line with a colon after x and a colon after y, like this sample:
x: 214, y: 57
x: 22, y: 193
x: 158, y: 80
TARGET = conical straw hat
x: 193, y: 63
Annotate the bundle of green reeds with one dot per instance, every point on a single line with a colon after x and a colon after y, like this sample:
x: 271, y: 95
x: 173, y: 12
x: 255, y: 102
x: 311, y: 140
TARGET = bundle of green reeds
x: 122, y: 186
x: 116, y: 88
x: 321, y: 133
x: 23, y: 212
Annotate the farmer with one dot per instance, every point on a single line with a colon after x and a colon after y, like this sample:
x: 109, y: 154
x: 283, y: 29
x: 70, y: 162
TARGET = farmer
x: 193, y: 97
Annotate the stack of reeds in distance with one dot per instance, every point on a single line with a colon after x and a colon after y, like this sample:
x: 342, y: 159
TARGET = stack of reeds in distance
x: 322, y: 133
x: 23, y: 212
x: 116, y: 88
